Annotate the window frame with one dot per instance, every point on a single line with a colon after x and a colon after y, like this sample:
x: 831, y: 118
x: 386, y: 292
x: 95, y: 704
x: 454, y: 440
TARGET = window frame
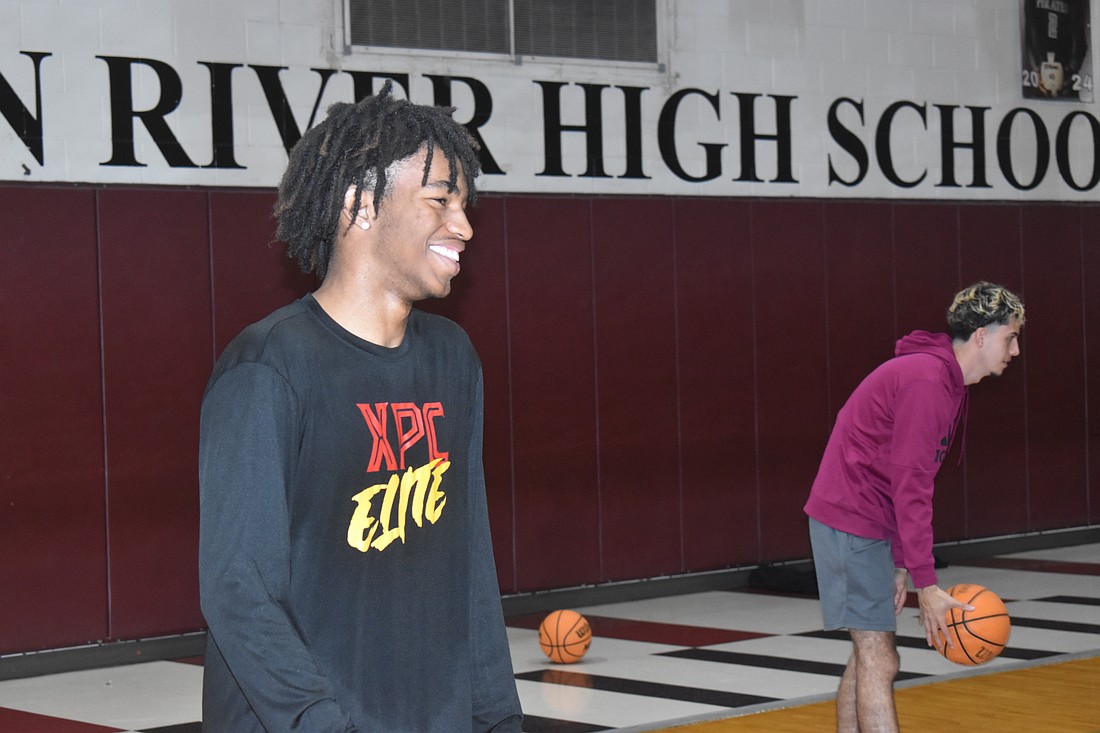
x: 661, y: 12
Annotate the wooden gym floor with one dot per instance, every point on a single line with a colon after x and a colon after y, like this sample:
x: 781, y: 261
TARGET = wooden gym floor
x: 1058, y: 697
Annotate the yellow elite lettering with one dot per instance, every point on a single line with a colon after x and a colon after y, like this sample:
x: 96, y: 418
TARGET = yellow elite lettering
x: 386, y: 513
x: 416, y: 492
x: 436, y: 498
x: 424, y: 475
x: 361, y: 520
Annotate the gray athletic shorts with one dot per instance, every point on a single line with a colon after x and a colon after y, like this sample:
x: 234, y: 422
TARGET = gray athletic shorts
x: 855, y: 578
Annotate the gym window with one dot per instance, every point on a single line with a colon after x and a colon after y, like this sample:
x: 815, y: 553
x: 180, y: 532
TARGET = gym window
x: 607, y: 30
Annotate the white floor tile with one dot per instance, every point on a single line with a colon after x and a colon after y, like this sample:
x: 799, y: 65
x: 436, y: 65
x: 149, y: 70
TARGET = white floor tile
x: 597, y: 707
x: 1019, y: 584
x: 718, y: 676
x: 136, y: 696
x: 757, y: 612
x: 527, y: 656
x: 1081, y: 613
x: 1079, y: 553
x: 830, y: 651
x: 1054, y: 641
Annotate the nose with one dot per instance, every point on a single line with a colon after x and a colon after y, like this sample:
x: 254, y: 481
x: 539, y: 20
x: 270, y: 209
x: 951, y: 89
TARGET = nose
x: 1015, y: 349
x: 459, y: 225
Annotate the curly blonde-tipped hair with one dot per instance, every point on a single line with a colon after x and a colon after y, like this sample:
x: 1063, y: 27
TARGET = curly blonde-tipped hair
x: 982, y: 304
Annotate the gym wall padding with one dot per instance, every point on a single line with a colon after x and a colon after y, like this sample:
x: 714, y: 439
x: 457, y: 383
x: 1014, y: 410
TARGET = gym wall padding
x: 661, y: 376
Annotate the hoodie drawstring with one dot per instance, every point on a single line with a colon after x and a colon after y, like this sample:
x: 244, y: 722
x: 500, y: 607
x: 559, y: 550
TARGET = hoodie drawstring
x: 961, y: 416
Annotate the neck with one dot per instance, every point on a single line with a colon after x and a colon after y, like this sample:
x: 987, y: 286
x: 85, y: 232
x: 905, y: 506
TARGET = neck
x: 363, y: 311
x: 966, y: 356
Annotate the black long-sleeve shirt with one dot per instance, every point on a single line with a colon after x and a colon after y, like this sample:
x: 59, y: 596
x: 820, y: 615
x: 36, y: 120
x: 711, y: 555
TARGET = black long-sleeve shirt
x: 345, y: 563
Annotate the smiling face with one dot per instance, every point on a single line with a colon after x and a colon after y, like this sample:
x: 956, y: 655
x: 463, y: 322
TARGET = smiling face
x: 420, y: 230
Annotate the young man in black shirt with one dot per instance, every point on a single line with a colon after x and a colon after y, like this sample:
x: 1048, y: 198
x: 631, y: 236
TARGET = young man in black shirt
x: 346, y: 568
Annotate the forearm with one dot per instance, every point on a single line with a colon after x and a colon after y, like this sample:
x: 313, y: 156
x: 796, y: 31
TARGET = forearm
x: 244, y: 567
x: 913, y: 517
x: 495, y: 701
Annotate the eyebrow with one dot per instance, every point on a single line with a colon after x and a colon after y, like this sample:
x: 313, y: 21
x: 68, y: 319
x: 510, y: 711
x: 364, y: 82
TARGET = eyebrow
x: 446, y: 186
x: 440, y: 183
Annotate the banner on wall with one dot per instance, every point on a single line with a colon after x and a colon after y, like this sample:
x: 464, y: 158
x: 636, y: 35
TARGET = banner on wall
x: 1057, y: 59
x: 145, y: 109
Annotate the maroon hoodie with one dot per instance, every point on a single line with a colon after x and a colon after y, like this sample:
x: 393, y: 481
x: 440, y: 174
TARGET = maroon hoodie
x: 890, y: 438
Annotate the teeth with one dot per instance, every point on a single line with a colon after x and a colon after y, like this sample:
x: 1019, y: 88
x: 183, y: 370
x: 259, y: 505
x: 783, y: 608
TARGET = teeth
x: 447, y: 252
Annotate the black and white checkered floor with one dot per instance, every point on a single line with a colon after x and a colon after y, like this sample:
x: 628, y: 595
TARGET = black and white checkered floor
x: 652, y: 663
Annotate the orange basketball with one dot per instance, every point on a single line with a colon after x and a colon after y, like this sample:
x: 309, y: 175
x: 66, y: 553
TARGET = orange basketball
x: 981, y: 634
x: 564, y: 636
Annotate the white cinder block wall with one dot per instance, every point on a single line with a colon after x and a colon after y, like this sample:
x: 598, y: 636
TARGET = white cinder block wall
x: 887, y: 69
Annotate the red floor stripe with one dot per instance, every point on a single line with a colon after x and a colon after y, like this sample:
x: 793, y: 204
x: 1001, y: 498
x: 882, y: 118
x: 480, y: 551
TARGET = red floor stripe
x: 17, y: 721
x: 200, y: 661
x: 648, y: 631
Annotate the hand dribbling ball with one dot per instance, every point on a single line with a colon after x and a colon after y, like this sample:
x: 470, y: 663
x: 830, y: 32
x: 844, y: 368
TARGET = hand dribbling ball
x: 564, y: 636
x: 979, y: 635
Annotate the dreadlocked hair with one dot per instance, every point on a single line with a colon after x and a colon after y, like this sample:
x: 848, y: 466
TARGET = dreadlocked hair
x: 982, y: 304
x: 357, y: 145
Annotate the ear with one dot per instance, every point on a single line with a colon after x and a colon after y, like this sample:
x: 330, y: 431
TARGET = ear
x: 365, y: 215
x: 979, y: 336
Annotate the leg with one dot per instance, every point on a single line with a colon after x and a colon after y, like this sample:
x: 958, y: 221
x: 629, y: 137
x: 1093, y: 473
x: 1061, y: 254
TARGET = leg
x: 846, y: 720
x: 876, y: 665
x: 855, y: 578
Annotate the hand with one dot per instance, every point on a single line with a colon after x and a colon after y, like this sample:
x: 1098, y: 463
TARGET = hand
x: 900, y: 576
x: 934, y: 605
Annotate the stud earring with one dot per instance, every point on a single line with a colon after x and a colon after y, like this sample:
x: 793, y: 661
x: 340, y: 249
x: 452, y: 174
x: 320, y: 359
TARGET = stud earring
x: 364, y: 225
